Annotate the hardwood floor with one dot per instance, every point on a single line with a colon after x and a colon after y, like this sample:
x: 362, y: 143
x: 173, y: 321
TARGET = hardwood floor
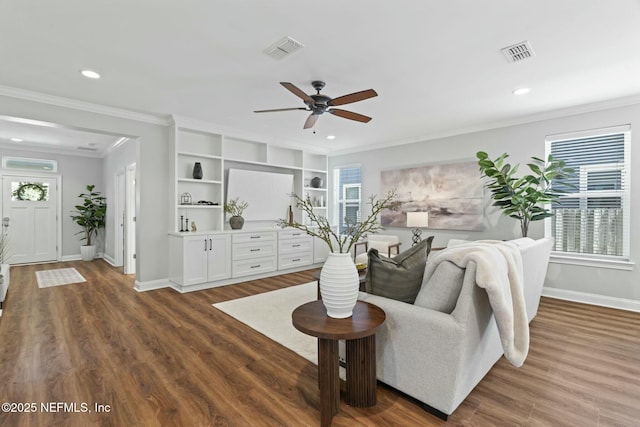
x: 161, y: 358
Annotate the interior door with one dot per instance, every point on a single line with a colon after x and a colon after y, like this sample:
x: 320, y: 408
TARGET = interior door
x: 29, y: 206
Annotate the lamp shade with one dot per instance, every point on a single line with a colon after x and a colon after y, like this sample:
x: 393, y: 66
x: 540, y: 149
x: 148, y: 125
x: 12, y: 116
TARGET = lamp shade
x: 418, y: 219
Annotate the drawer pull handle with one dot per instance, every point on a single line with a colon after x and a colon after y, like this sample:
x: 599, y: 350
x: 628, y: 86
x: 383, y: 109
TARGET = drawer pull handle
x: 295, y: 260
x: 255, y: 266
x: 254, y: 250
x: 295, y: 234
x: 254, y: 237
x: 295, y: 246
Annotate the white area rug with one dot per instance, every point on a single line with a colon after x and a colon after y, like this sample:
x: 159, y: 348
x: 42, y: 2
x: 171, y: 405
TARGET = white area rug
x: 57, y: 277
x: 270, y: 314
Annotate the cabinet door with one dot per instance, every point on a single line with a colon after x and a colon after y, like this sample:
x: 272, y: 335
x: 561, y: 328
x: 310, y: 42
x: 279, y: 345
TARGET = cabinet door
x: 219, y: 256
x: 195, y: 258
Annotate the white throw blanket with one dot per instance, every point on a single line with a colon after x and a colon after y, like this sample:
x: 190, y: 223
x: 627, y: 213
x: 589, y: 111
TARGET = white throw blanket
x: 499, y: 272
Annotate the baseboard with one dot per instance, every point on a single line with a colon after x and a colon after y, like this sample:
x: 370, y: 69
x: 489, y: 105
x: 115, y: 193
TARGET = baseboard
x: 151, y: 285
x: 110, y: 260
x: 78, y: 257
x: 593, y: 299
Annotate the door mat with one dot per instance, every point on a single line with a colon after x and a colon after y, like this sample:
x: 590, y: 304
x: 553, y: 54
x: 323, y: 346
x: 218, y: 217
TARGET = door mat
x: 57, y: 277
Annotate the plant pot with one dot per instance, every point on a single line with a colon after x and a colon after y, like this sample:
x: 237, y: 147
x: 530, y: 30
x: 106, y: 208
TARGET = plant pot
x: 88, y: 252
x: 236, y: 222
x: 339, y: 285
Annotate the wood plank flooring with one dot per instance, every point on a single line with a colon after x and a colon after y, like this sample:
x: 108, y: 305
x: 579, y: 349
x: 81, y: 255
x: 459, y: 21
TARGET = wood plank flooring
x: 161, y: 358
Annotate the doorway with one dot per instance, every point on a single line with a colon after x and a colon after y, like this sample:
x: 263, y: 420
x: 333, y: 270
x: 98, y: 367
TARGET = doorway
x: 30, y: 209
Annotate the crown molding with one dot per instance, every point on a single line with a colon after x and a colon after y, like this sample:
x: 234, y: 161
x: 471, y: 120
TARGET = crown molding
x: 531, y: 118
x: 60, y: 101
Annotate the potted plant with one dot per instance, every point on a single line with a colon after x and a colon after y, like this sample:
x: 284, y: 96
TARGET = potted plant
x: 524, y: 198
x: 339, y: 282
x: 235, y: 208
x: 90, y: 215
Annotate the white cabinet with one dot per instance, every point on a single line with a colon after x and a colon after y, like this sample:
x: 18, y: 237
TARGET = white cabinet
x: 295, y: 249
x: 320, y: 250
x: 253, y: 253
x: 200, y: 258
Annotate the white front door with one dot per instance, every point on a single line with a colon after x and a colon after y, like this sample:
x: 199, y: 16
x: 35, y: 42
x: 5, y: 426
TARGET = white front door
x: 29, y: 206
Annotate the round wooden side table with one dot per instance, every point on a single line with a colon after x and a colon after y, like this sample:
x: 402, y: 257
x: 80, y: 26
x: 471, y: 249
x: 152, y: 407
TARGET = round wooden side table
x: 358, y: 331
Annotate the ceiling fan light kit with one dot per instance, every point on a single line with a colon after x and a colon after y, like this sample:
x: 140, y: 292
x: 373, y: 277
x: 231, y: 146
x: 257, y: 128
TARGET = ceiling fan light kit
x: 319, y: 103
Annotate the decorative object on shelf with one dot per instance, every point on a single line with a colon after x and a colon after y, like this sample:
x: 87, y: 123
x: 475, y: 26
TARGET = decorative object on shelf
x: 290, y: 216
x: 186, y: 224
x: 185, y: 199
x: 235, y: 208
x: 316, y: 182
x: 417, y: 220
x: 521, y: 198
x: 339, y: 283
x: 181, y: 223
x: 193, y: 226
x: 90, y: 215
x: 197, y: 171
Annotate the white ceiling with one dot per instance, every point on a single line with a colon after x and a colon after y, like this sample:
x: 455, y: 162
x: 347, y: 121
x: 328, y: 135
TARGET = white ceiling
x: 436, y: 65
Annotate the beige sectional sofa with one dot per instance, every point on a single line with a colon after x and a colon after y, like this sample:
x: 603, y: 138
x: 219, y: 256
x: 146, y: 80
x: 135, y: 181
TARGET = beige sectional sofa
x: 439, y: 357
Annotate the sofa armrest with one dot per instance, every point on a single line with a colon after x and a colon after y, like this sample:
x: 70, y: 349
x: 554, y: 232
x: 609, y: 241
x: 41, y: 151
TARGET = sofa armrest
x: 418, y: 351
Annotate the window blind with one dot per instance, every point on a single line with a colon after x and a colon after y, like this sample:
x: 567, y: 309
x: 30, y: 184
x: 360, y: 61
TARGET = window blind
x: 592, y: 218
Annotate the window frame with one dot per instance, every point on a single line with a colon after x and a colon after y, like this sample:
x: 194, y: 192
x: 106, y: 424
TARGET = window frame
x: 623, y: 261
x: 340, y: 194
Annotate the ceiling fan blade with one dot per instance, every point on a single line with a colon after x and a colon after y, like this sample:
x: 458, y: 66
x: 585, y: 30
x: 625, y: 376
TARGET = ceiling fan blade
x: 349, y: 115
x: 353, y: 97
x: 297, y: 92
x: 311, y: 121
x: 280, y: 109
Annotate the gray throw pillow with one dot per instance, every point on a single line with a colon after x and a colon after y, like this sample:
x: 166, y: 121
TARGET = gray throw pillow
x: 442, y: 289
x: 399, y: 277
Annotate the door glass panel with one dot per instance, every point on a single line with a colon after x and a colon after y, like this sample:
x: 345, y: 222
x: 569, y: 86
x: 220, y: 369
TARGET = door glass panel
x: 29, y: 191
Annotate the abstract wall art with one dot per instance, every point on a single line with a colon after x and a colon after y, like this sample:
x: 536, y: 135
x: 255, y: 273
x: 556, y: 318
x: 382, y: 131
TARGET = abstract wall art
x: 451, y: 193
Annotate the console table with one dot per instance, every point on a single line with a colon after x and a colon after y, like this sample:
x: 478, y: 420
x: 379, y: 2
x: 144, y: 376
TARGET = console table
x: 359, y: 333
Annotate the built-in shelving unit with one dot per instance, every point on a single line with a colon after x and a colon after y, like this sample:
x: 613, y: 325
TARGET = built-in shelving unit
x: 217, y: 153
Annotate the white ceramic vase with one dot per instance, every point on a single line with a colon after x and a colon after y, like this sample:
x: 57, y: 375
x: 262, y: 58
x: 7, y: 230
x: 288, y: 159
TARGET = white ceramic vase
x: 88, y: 252
x: 339, y: 285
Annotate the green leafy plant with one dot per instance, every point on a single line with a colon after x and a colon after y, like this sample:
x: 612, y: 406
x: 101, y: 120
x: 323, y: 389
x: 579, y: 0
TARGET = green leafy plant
x: 235, y: 207
x: 524, y: 198
x: 322, y: 229
x: 91, y: 214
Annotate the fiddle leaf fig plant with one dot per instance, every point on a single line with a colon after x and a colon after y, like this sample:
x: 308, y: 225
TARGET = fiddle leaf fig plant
x: 91, y: 214
x: 524, y: 198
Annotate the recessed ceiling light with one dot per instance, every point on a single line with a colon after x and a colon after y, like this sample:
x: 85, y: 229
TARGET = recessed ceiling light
x: 16, y: 139
x: 90, y: 74
x: 331, y: 137
x: 521, y: 91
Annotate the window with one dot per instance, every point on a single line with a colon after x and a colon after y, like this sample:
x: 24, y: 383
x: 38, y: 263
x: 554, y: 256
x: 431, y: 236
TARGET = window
x: 592, y: 219
x: 348, y: 204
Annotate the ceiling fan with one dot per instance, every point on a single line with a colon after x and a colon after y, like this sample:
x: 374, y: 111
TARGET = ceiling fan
x: 319, y: 104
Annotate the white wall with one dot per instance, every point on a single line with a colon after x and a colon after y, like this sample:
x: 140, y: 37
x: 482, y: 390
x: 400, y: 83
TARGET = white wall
x: 152, y: 179
x: 76, y: 173
x: 520, y: 142
x: 115, y: 162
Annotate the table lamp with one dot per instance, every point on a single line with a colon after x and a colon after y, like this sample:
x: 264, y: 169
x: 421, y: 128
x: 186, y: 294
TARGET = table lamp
x: 417, y: 220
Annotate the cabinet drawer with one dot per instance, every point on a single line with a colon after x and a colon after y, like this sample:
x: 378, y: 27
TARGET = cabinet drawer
x: 292, y: 234
x: 295, y: 245
x: 254, y: 237
x: 253, y: 250
x: 295, y: 260
x: 253, y: 266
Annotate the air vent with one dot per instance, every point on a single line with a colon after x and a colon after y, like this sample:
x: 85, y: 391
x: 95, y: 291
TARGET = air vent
x: 283, y: 48
x: 518, y: 52
x: 86, y: 148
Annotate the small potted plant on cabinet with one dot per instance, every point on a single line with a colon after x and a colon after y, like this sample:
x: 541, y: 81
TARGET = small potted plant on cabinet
x: 235, y: 208
x: 90, y: 215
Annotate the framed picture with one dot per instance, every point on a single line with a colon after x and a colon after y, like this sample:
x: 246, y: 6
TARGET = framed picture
x: 452, y: 194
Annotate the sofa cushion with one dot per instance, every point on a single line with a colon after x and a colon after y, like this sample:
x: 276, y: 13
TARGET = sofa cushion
x: 443, y: 288
x: 399, y: 277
